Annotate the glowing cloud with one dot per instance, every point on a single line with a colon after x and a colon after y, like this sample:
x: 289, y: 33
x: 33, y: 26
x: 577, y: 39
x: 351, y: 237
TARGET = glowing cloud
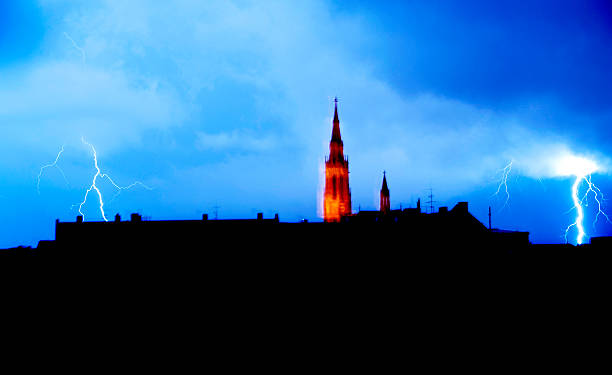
x: 573, y: 165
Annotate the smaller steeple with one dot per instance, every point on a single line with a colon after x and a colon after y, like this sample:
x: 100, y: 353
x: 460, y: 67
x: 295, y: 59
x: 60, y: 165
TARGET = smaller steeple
x: 385, y: 203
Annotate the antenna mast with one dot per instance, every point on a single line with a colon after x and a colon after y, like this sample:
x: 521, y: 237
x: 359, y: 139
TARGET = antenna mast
x: 431, y: 201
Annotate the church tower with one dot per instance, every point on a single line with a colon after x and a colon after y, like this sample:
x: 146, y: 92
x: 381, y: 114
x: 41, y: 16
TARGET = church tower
x: 337, y: 200
x: 385, y: 203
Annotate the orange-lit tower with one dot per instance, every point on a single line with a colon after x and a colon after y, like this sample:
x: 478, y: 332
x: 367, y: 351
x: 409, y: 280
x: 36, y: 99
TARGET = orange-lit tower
x: 385, y: 203
x: 337, y: 200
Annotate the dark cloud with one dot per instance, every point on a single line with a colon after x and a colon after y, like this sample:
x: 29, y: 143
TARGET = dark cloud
x: 21, y: 30
x: 500, y: 53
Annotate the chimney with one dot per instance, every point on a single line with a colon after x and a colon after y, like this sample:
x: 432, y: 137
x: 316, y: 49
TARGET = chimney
x: 260, y: 216
x: 276, y: 217
x: 117, y: 218
x: 135, y: 218
x: 79, y: 219
x: 461, y: 207
x: 204, y: 217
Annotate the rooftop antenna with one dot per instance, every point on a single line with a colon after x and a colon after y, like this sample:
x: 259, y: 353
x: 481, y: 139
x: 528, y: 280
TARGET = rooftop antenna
x: 431, y: 201
x: 216, y: 208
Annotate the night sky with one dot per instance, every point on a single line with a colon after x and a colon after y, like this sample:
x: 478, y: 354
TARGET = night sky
x: 226, y: 107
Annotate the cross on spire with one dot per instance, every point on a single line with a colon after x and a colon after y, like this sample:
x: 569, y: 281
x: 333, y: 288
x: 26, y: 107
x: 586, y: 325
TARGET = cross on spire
x: 385, y: 188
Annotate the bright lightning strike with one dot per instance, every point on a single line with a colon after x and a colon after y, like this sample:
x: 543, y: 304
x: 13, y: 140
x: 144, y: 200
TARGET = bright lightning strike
x: 596, y: 194
x: 54, y: 164
x: 503, y: 182
x: 97, y: 190
x: 581, y: 168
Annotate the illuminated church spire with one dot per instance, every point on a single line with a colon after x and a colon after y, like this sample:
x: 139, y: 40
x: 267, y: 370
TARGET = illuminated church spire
x: 337, y: 200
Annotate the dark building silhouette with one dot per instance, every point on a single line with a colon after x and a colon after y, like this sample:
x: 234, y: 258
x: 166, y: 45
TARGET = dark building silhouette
x: 601, y: 242
x: 407, y: 230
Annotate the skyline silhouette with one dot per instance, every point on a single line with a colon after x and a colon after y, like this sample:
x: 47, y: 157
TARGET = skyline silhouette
x: 451, y: 232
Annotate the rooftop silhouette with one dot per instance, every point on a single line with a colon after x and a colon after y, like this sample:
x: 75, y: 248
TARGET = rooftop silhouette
x: 409, y: 230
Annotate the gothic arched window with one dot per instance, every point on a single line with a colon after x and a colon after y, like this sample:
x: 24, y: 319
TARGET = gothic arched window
x: 334, y: 187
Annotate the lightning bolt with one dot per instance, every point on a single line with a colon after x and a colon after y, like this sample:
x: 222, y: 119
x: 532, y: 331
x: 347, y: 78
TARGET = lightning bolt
x: 579, y: 210
x: 581, y: 169
x: 580, y: 203
x: 95, y: 188
x: 596, y: 194
x: 54, y: 164
x: 503, y: 182
x: 76, y: 46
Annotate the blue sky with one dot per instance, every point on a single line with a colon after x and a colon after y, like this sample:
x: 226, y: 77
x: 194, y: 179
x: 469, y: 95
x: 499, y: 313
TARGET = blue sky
x: 229, y: 105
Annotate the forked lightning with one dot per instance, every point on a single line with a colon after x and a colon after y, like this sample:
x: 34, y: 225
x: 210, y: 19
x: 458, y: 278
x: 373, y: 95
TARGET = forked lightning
x: 93, y: 185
